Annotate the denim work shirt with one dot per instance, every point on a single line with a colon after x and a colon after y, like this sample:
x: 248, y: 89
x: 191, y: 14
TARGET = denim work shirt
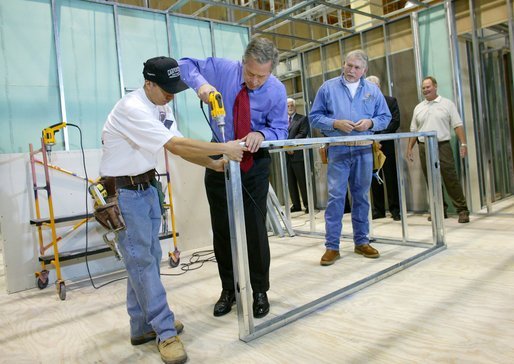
x: 268, y: 103
x: 334, y: 102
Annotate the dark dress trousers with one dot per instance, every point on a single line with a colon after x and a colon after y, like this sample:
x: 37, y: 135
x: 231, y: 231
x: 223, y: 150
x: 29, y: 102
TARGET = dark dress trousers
x: 388, y: 172
x: 298, y: 129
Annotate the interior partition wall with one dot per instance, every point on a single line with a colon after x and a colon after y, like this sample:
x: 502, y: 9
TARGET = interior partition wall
x: 375, y: 47
x: 83, y: 56
x: 29, y: 87
x: 72, y: 60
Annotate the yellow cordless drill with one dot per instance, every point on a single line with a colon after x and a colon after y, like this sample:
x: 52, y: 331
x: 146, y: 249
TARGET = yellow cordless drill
x: 49, y: 134
x: 218, y: 111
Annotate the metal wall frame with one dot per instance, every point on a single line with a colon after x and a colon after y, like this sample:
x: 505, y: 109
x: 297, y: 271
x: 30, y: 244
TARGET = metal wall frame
x: 485, y: 151
x: 247, y: 329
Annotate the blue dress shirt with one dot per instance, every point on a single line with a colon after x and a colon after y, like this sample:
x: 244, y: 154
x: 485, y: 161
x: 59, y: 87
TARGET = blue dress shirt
x: 268, y: 104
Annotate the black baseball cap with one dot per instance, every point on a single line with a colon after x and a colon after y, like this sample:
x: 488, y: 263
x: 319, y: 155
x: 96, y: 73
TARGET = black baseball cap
x: 165, y: 72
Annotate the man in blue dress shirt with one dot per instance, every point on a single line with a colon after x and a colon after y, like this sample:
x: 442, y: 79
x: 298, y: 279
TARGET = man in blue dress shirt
x: 349, y: 105
x: 268, y: 121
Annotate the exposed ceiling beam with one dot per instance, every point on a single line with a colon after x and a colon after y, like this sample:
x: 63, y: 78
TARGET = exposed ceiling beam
x: 284, y: 13
x: 233, y: 6
x: 246, y: 18
x: 177, y: 6
x: 319, y: 24
x: 201, y: 10
x: 286, y: 36
x: 350, y: 10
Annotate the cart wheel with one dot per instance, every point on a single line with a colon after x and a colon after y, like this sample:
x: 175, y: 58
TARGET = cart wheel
x: 41, y: 284
x: 174, y: 261
x: 61, y: 290
x: 42, y: 279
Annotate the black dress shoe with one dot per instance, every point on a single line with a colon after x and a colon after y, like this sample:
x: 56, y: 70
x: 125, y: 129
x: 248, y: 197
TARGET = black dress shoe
x: 377, y: 215
x: 260, y: 304
x: 224, y: 304
x: 396, y: 217
x: 294, y: 209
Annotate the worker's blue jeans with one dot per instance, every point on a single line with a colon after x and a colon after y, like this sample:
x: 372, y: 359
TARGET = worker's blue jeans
x: 141, y: 250
x: 353, y: 167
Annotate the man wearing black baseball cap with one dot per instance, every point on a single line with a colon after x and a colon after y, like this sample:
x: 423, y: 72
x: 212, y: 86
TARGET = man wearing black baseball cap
x: 135, y: 132
x: 165, y: 72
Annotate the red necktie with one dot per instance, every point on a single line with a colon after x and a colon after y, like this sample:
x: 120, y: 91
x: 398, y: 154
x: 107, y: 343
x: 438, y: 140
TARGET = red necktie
x: 242, y: 124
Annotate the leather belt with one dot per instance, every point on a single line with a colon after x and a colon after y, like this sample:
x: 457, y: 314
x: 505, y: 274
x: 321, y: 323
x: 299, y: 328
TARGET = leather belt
x: 138, y: 187
x: 137, y: 182
x: 352, y: 143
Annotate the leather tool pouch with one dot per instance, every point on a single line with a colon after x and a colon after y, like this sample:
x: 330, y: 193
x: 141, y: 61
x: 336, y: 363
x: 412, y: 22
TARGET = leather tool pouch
x: 378, y: 156
x: 109, y: 215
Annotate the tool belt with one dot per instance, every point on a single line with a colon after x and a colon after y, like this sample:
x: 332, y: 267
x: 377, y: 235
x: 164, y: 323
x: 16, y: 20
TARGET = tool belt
x: 141, y: 181
x: 352, y: 143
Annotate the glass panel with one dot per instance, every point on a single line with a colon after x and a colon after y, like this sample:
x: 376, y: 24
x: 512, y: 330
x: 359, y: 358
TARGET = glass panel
x: 29, y: 92
x: 230, y: 41
x: 435, y: 49
x: 191, y: 38
x: 435, y: 60
x: 143, y: 35
x: 90, y: 67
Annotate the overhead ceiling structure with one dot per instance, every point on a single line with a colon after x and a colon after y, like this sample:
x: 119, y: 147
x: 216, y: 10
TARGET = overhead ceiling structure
x: 293, y: 25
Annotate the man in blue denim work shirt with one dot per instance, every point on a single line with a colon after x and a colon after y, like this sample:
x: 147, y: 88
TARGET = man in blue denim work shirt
x: 349, y: 105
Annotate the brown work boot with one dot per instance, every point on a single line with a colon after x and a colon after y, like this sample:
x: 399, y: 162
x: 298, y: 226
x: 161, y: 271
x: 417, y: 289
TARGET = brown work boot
x: 464, y: 217
x: 330, y: 257
x: 367, y: 251
x: 172, y: 351
x: 150, y: 336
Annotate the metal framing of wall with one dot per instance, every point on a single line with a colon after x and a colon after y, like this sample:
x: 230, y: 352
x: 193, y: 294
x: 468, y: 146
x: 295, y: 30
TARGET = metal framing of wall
x: 247, y: 329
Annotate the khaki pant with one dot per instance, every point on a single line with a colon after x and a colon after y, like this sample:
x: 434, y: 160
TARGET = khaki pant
x: 448, y: 174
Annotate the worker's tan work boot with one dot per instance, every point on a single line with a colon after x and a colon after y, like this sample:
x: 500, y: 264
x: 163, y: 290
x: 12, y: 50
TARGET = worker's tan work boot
x: 329, y: 257
x: 172, y: 351
x: 150, y: 336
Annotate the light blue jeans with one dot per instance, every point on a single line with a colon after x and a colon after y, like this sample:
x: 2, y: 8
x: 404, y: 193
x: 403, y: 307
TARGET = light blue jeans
x: 353, y: 167
x: 139, y: 244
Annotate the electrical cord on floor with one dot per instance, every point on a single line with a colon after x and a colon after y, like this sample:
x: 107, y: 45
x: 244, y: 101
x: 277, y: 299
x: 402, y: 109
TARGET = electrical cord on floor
x: 218, y: 141
x: 196, y: 261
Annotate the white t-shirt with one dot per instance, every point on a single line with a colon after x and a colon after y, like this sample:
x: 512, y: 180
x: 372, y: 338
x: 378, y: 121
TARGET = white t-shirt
x: 352, y: 86
x: 438, y: 115
x: 134, y: 134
